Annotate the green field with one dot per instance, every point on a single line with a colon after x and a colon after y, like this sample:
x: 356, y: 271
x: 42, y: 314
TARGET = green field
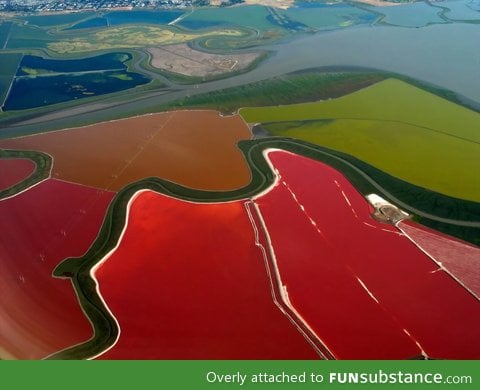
x: 394, y: 126
x: 8, y: 69
x: 295, y: 87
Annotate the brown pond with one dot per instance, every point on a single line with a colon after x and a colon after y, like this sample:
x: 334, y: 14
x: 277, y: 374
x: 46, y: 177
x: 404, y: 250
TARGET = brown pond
x: 193, y: 148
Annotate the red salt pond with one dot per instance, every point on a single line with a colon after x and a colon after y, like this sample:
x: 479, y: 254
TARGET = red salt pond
x: 187, y: 281
x: 459, y: 258
x: 364, y: 288
x: 39, y: 314
x: 14, y: 170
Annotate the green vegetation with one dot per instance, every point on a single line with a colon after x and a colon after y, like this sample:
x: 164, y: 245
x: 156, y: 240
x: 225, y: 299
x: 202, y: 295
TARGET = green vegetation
x: 395, y: 127
x: 35, y: 71
x: 438, y: 211
x: 131, y: 37
x: 43, y: 164
x: 51, y: 38
x: 295, y: 87
x: 30, y: 71
x: 8, y: 70
x: 388, y: 100
x: 249, y: 40
x: 121, y: 76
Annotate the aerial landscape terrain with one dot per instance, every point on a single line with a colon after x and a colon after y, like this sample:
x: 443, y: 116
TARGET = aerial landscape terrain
x: 239, y: 179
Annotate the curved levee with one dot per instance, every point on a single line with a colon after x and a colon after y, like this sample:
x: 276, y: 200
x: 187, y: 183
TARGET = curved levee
x: 43, y: 165
x: 79, y: 269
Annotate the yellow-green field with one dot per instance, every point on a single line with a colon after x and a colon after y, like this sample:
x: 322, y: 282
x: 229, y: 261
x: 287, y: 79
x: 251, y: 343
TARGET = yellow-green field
x: 131, y: 37
x: 394, y: 126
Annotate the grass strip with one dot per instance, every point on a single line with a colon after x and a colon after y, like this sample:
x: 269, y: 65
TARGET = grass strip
x: 43, y: 164
x: 78, y: 269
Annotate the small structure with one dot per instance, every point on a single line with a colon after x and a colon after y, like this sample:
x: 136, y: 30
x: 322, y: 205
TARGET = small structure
x: 385, y: 211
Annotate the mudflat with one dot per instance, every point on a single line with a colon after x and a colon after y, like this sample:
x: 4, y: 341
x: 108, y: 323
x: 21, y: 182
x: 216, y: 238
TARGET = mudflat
x: 186, y: 61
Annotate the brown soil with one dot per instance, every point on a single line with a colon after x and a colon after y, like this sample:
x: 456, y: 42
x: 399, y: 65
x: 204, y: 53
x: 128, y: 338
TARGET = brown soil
x: 378, y: 3
x: 194, y: 148
x: 186, y: 61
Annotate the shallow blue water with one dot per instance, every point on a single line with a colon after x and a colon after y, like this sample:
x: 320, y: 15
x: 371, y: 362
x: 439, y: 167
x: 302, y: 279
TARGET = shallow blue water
x: 30, y: 92
x: 101, y: 62
x: 117, y: 18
